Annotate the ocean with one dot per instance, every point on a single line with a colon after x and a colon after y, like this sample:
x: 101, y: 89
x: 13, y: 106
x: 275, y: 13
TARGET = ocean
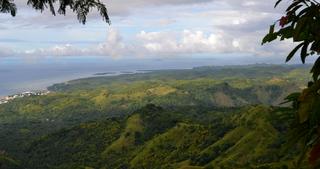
x: 18, y: 75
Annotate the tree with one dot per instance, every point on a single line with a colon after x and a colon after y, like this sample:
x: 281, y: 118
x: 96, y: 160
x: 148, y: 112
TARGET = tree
x: 80, y: 7
x: 301, y: 24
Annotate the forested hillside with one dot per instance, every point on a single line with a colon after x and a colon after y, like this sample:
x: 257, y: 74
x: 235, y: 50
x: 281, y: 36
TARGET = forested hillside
x: 207, y: 117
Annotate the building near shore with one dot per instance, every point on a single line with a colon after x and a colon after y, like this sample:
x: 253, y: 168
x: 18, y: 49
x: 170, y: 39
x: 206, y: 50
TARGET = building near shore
x: 24, y: 94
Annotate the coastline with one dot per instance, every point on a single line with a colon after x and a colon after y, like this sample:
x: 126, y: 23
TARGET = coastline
x: 40, y: 84
x: 66, y: 80
x: 9, y: 98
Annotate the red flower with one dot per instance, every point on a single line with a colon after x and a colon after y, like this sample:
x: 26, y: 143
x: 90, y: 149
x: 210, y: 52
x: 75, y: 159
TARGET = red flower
x: 314, y: 154
x: 283, y: 21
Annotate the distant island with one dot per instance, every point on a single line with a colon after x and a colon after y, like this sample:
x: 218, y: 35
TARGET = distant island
x: 127, y: 72
x: 104, y: 73
x: 121, y: 72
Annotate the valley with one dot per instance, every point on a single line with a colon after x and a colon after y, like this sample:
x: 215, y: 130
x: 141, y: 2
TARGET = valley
x: 200, y: 118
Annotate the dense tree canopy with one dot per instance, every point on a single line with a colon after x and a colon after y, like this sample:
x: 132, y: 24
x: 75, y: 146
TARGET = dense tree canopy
x: 80, y: 7
x: 115, y: 121
x: 301, y: 24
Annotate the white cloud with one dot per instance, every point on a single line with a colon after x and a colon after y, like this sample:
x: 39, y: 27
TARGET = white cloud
x: 113, y: 47
x: 172, y: 27
x: 58, y: 50
x: 6, y: 51
x: 195, y: 42
x: 169, y: 43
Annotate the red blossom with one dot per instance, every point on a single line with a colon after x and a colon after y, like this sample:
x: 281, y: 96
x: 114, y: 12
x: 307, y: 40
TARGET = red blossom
x: 314, y: 154
x: 283, y: 21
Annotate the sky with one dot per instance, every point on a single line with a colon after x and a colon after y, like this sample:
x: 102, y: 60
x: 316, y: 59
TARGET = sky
x: 146, y: 29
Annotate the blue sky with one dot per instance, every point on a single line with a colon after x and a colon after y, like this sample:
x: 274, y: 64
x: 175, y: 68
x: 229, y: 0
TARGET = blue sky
x: 146, y: 29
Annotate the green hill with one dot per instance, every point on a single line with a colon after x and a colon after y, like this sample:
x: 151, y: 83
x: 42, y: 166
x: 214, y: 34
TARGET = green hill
x: 8, y: 163
x: 153, y: 137
x: 208, y: 117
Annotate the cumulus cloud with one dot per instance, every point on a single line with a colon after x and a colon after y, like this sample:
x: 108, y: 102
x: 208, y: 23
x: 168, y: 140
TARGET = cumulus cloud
x: 58, y: 50
x: 198, y: 42
x: 6, y: 52
x: 164, y: 43
x: 113, y: 47
x: 146, y: 44
x: 159, y: 28
x: 168, y: 43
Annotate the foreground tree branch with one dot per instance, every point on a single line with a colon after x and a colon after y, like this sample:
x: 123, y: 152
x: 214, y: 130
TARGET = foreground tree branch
x: 301, y: 24
x: 80, y: 7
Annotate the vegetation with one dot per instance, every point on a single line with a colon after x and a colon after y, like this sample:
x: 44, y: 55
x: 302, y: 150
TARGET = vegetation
x: 7, y: 162
x: 80, y: 7
x: 200, y: 118
x: 230, y: 139
x: 225, y: 119
x: 301, y: 24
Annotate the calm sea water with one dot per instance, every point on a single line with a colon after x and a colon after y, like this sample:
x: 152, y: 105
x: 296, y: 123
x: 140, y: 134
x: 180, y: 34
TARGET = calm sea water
x: 18, y: 75
x: 22, y: 75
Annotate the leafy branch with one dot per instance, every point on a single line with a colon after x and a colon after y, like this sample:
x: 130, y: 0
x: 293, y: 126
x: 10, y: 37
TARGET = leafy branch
x: 301, y: 23
x: 80, y: 7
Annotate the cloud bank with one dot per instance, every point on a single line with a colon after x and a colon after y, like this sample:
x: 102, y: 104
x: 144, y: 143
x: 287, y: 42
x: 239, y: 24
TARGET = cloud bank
x: 146, y: 28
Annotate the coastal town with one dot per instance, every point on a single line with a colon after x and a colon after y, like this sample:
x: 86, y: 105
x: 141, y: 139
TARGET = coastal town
x: 21, y: 95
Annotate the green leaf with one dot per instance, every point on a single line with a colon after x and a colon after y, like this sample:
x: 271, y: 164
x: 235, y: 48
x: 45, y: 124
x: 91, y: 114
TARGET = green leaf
x: 277, y: 3
x: 298, y: 31
x: 271, y: 30
x: 296, y: 8
x: 315, y: 115
x: 269, y: 37
x: 315, y: 46
x: 303, y: 11
x: 304, y: 52
x: 286, y: 32
x: 305, y: 108
x: 316, y: 69
x: 294, y: 4
x: 291, y: 54
x: 293, y: 97
x: 308, y: 101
